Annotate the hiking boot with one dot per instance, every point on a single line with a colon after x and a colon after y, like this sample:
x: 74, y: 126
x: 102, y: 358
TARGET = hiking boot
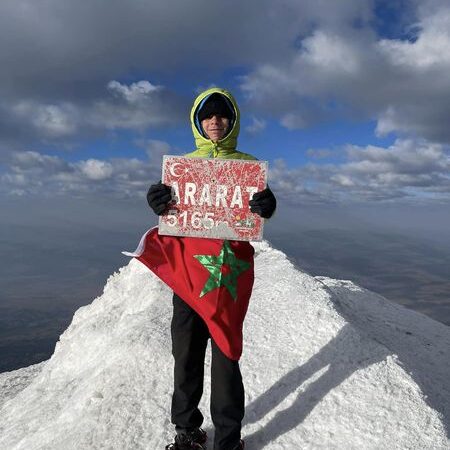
x: 193, y: 440
x: 198, y: 435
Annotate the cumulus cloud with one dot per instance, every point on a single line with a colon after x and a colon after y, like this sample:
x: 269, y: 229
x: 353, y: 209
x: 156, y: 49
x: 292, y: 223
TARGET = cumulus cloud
x: 405, y: 156
x: 33, y: 173
x: 136, y: 92
x: 308, y: 60
x: 431, y: 47
x: 73, y: 51
x: 352, y: 72
x: 95, y: 170
x: 35, y: 161
x: 50, y: 120
x: 407, y: 169
x: 136, y: 106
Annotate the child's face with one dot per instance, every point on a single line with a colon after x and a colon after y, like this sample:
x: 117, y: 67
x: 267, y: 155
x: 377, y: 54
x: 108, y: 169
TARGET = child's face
x: 216, y: 127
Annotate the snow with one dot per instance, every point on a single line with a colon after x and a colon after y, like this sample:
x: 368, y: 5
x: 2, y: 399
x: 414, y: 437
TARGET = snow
x: 326, y: 364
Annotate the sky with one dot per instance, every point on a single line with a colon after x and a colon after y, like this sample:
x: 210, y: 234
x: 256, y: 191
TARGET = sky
x: 348, y: 102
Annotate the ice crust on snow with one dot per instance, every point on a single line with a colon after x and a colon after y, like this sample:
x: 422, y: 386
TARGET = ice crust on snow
x: 326, y: 364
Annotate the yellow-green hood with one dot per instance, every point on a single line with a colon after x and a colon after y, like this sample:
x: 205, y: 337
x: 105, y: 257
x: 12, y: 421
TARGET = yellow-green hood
x: 226, y: 147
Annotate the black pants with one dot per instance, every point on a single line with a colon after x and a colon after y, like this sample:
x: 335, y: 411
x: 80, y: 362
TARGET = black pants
x: 189, y: 340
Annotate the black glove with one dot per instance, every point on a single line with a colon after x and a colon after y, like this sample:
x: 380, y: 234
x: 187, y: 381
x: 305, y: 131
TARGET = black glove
x: 158, y: 196
x: 263, y: 203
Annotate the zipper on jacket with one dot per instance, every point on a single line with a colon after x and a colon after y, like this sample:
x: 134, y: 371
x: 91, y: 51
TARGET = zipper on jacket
x: 214, y: 152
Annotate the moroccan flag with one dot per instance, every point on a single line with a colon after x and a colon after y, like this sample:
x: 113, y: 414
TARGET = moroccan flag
x: 213, y: 276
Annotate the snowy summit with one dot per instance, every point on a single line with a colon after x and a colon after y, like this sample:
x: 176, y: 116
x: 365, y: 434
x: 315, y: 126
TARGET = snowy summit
x: 326, y: 364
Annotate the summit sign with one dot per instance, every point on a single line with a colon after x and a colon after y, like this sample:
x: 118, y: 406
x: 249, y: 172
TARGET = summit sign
x: 210, y: 198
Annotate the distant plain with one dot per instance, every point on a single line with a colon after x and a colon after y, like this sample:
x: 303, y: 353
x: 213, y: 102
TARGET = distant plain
x: 48, y: 276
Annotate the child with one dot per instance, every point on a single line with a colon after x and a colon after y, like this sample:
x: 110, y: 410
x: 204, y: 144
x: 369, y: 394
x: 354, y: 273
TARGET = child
x: 215, y: 124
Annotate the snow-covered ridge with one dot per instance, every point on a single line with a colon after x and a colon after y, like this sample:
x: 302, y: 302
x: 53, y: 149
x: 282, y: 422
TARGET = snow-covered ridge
x: 326, y: 364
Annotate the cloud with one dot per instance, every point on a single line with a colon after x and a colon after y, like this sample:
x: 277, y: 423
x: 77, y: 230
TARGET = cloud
x: 293, y: 121
x: 34, y: 161
x: 351, y: 72
x: 155, y: 148
x: 72, y: 43
x: 31, y: 173
x: 405, y: 157
x: 95, y: 170
x: 136, y: 106
x: 55, y: 69
x: 256, y: 126
x: 319, y: 153
x: 70, y: 74
x: 50, y: 120
x: 408, y: 169
x: 136, y: 92
x: 306, y: 61
x: 430, y: 48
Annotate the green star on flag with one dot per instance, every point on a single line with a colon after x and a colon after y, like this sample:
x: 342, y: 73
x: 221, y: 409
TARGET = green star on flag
x: 223, y: 269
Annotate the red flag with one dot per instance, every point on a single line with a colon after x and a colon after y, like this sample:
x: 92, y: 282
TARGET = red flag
x: 213, y: 276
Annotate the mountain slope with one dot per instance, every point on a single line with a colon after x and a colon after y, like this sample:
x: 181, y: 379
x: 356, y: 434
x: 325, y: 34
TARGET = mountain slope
x: 326, y: 364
